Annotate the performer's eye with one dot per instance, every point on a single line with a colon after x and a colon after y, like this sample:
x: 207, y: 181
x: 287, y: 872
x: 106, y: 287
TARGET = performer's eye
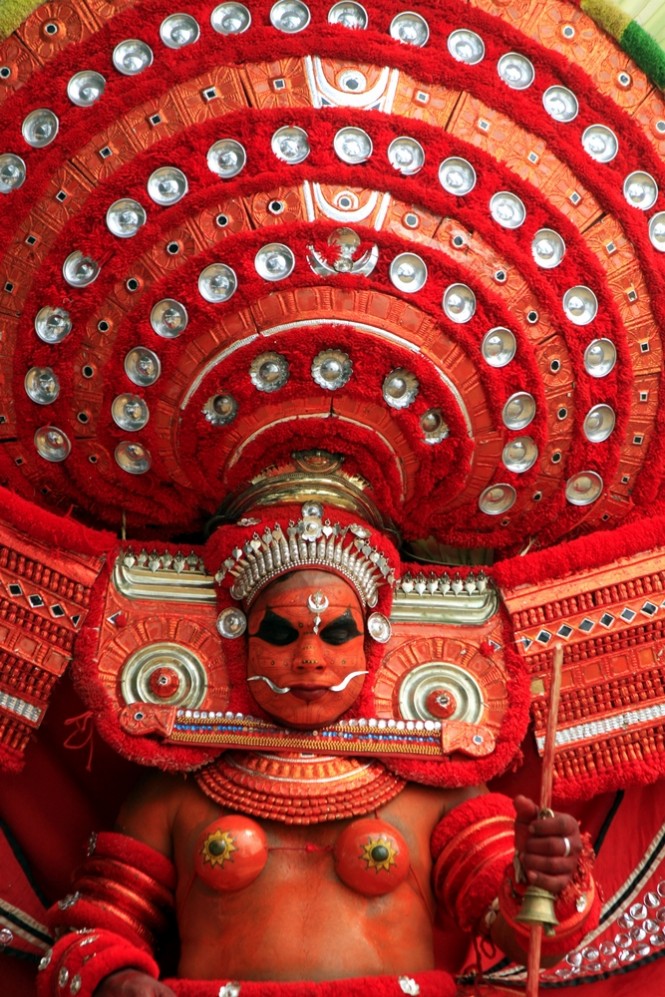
x: 340, y: 630
x: 275, y: 629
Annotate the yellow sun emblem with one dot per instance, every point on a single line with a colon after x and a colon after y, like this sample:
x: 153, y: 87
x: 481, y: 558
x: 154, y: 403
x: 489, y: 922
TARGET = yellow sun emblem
x: 218, y: 847
x: 379, y: 853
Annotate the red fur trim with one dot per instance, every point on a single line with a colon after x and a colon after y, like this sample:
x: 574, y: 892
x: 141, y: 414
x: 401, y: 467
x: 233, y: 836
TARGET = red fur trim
x: 435, y: 983
x: 90, y: 956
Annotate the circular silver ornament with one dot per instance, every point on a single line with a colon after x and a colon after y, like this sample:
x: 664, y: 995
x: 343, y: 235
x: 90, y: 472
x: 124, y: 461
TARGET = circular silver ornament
x: 40, y: 127
x: 657, y: 231
x: 520, y: 455
x: 179, y: 30
x: 52, y: 444
x: 125, y: 217
x: 349, y: 15
x: 640, y: 190
x: 132, y: 457
x: 400, y: 388
x: 230, y: 18
x: 142, y: 366
x: 497, y: 499
x: 600, y: 142
x: 408, y: 272
x: 331, y: 369
x: 600, y: 357
x: 519, y: 410
x: 353, y: 145
x: 12, y: 172
x: 80, y: 270
x: 599, y: 423
x: 129, y: 412
x: 132, y: 57
x: 226, y: 158
x: 561, y: 104
x: 217, y: 283
x: 290, y: 144
x: 164, y: 673
x: 410, y: 28
x: 516, y: 70
x: 434, y: 427
x: 269, y: 371
x: 406, y: 155
x: 379, y: 628
x: 548, y: 248
x: 459, y: 303
x: 231, y: 623
x: 52, y: 325
x: 274, y: 261
x: 167, y: 185
x: 169, y: 318
x: 457, y: 176
x: 42, y: 385
x: 466, y: 46
x: 440, y: 683
x: 498, y: 347
x: 85, y: 88
x: 580, y: 305
x: 220, y: 409
x: 507, y: 209
x: 584, y: 488
x: 290, y: 16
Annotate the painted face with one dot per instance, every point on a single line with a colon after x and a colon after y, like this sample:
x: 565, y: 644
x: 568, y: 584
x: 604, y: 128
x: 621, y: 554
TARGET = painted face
x: 306, y: 661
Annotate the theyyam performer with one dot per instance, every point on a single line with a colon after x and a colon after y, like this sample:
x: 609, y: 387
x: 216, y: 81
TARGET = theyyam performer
x: 330, y: 418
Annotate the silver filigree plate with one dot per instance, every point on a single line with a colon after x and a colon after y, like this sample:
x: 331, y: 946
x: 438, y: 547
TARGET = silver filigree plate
x: 600, y: 142
x: 132, y: 56
x: 52, y: 444
x: 520, y: 454
x: 142, y: 366
x: 548, y: 248
x: 497, y: 499
x: 226, y: 158
x: 217, y: 283
x: 52, y: 325
x: 599, y: 423
x: 125, y: 217
x: 129, y: 412
x: 42, y: 385
x: 332, y: 369
x: 466, y: 46
x: 132, y: 457
x: 40, y: 127
x: 561, y: 104
x: 406, y: 155
x: 349, y: 15
x: 353, y: 145
x: 269, y: 371
x: 459, y: 303
x: 584, y: 488
x: 167, y: 185
x: 580, y: 305
x: 230, y: 18
x: 290, y: 16
x: 400, y: 388
x: 179, y: 30
x: 516, y: 71
x: 85, y: 88
x: 640, y: 190
x: 169, y: 318
x: 457, y: 176
x: 498, y: 347
x: 290, y: 144
x: 600, y: 357
x: 220, y: 409
x: 410, y: 28
x: 408, y: 272
x: 519, y: 410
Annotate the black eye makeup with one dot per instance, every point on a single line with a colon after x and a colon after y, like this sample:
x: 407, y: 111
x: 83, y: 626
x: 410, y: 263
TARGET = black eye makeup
x: 275, y: 629
x: 340, y: 630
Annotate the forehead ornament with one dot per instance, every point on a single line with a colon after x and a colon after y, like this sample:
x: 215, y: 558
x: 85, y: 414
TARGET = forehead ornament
x: 317, y: 603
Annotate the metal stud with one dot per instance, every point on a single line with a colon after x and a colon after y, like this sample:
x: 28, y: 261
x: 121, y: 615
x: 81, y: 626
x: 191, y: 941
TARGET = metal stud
x: 466, y: 46
x: 52, y: 325
x: 516, y: 71
x: 580, y: 305
x: 434, y: 427
x: 290, y: 16
x: 133, y: 458
x: 331, y: 369
x: 599, y: 423
x: 52, y: 444
x: 349, y: 15
x: 519, y: 410
x: 12, y: 172
x: 406, y: 155
x: 169, y: 318
x: 400, y: 388
x: 520, y: 455
x: 584, y: 488
x: 290, y: 144
x: 231, y: 623
x: 42, y: 385
x: 640, y: 190
x: 497, y: 499
x: 132, y: 57
x: 600, y: 357
x: 220, y: 409
x: 548, y: 248
x: 498, y: 347
x: 561, y: 104
x: 179, y: 30
x: 457, y: 176
x: 40, y: 127
x: 275, y: 261
x: 410, y: 29
x: 167, y: 185
x: 142, y: 366
x: 125, y: 217
x: 129, y: 412
x: 226, y: 158
x: 657, y: 231
x: 353, y: 145
x: 408, y: 272
x: 85, y: 88
x: 507, y: 209
x: 459, y: 303
x: 600, y: 142
x: 80, y: 270
x: 217, y: 283
x: 269, y: 371
x: 230, y: 18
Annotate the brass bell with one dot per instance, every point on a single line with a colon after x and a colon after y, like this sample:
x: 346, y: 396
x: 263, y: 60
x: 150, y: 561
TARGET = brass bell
x: 538, y: 908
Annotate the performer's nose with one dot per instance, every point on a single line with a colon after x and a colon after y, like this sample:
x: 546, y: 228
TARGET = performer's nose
x: 306, y: 656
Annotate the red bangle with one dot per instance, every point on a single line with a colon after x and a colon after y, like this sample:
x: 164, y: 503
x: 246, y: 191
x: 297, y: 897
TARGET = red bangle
x: 79, y: 961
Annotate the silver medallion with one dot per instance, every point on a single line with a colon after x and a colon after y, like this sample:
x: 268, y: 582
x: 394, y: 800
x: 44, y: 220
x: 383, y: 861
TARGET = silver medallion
x: 132, y: 457
x: 519, y: 410
x: 466, y: 46
x: 600, y: 142
x: 169, y: 318
x: 406, y: 155
x: 125, y: 217
x: 548, y: 248
x: 269, y: 371
x: 274, y: 261
x: 410, y: 28
x: 331, y: 369
x: 457, y: 176
x: 600, y: 357
x: 142, y: 366
x: 290, y: 144
x: 561, y: 104
x: 497, y: 499
x: 52, y: 325
x: 42, y: 385
x: 349, y: 15
x: 40, y: 127
x: 459, y: 303
x: 85, y: 88
x: 379, y: 628
x: 167, y: 185
x: 217, y: 283
x: 52, y: 444
x: 132, y: 56
x: 80, y: 270
x: 129, y: 412
x: 290, y: 16
x: 230, y: 18
x: 657, y: 231
x: 599, y: 423
x: 353, y: 145
x: 12, y: 172
x: 584, y: 488
x: 580, y: 305
x: 516, y: 71
x: 640, y: 190
x: 400, y: 388
x: 520, y: 455
x: 220, y: 409
x: 226, y: 158
x: 231, y: 623
x: 507, y: 209
x: 434, y: 427
x: 179, y: 30
x: 498, y: 347
x: 408, y: 272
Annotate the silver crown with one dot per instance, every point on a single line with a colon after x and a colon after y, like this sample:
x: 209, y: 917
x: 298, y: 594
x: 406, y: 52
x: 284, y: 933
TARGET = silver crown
x: 312, y: 543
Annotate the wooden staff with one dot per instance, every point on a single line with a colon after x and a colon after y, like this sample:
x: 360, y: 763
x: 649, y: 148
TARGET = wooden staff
x: 536, y: 932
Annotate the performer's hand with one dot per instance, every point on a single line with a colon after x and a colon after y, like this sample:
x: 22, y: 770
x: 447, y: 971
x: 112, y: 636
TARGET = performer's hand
x: 548, y: 847
x: 132, y: 983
